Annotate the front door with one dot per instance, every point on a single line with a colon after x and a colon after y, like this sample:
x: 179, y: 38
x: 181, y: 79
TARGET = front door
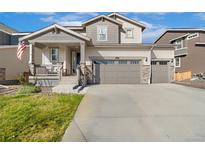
x: 75, y: 61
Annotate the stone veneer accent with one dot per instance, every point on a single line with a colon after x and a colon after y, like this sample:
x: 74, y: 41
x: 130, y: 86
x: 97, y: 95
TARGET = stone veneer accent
x: 146, y: 74
x: 2, y: 73
x: 89, y: 73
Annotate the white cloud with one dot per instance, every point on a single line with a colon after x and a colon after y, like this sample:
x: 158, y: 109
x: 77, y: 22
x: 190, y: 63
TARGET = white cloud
x: 149, y: 36
x: 152, y: 32
x: 69, y: 19
x: 148, y: 25
x: 201, y: 16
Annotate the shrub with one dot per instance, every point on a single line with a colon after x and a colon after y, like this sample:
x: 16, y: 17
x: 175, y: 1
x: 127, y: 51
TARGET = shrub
x: 28, y: 89
x: 22, y: 79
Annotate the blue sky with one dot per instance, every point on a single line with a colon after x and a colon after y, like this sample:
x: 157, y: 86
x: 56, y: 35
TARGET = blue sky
x: 156, y: 22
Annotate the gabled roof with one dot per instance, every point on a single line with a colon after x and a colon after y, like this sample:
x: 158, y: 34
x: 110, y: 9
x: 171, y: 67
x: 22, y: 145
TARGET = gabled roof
x: 6, y: 28
x: 52, y: 27
x: 179, y: 37
x: 180, y: 30
x: 128, y: 19
x: 99, y: 17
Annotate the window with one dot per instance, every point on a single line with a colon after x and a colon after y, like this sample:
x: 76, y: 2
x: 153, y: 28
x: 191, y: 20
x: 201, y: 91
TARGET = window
x: 54, y: 55
x: 102, y: 33
x: 179, y: 44
x: 163, y: 63
x: 192, y: 36
x: 134, y: 61
x: 177, y: 62
x: 154, y: 63
x: 129, y: 33
x: 110, y: 62
x: 122, y: 61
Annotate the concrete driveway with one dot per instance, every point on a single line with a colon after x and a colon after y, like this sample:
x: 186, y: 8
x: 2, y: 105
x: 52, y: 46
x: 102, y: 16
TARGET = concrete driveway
x: 156, y: 112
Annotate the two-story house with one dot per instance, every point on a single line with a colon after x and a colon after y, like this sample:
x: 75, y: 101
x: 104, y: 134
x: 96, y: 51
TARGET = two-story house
x: 189, y: 48
x: 106, y: 49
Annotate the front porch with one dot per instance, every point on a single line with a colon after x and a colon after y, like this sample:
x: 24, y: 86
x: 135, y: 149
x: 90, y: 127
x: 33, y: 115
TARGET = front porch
x: 63, y: 55
x: 59, y: 60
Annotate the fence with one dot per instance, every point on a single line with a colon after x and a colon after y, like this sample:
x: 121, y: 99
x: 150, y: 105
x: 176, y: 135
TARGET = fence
x: 183, y: 76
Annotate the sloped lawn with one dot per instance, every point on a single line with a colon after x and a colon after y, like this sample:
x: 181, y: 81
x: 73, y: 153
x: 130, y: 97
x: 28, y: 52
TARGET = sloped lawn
x: 36, y: 117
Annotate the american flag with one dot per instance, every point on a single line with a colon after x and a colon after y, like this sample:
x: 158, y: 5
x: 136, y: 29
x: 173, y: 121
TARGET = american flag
x: 21, y: 49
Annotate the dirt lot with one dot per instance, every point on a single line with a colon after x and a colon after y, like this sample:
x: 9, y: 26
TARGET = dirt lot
x: 194, y: 83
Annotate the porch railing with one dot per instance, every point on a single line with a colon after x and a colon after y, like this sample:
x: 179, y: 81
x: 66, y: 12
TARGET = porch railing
x: 49, y: 70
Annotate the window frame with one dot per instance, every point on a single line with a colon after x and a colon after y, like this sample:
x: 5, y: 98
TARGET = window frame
x: 182, y: 44
x: 179, y: 65
x: 98, y: 34
x: 126, y: 32
x: 57, y: 55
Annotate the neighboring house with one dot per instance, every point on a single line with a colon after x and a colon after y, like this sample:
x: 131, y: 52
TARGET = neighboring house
x: 106, y: 49
x: 10, y: 66
x: 189, y: 49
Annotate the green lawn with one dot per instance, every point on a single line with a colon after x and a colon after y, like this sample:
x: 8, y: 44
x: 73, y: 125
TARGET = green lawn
x: 36, y: 117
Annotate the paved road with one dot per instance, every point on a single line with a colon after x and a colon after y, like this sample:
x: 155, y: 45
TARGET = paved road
x: 157, y: 112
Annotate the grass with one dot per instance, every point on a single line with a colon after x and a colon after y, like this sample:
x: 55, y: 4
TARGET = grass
x: 36, y: 117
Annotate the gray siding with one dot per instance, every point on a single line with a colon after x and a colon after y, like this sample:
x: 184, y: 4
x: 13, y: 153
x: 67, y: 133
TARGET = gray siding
x: 14, y: 40
x: 194, y: 60
x: 112, y: 36
x: 165, y: 39
x: 4, y: 38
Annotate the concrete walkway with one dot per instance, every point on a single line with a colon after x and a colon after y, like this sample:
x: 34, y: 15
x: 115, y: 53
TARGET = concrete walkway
x: 157, y: 112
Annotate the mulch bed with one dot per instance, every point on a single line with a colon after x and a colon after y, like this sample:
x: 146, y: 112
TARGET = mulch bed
x: 192, y: 83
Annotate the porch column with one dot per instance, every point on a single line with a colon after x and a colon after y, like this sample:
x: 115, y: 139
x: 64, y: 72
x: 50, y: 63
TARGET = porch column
x: 31, y: 54
x: 31, y: 59
x: 82, y: 52
x: 82, y: 62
